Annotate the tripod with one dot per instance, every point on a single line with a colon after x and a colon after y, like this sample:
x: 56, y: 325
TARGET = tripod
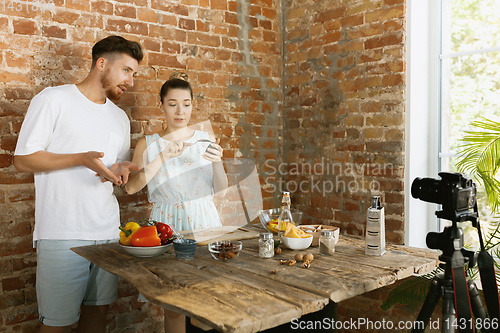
x: 442, y: 286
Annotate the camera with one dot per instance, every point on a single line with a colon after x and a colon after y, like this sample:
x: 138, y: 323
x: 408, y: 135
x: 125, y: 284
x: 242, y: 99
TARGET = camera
x: 455, y: 192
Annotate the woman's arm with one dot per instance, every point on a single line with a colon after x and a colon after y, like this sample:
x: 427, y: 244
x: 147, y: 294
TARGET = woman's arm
x: 138, y: 179
x: 214, y: 154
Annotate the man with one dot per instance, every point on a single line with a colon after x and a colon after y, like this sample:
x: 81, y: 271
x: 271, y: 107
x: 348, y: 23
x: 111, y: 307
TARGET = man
x: 71, y: 134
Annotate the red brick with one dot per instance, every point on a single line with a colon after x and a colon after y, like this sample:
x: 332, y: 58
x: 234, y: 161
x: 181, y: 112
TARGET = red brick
x: 393, y: 80
x: 187, y: 24
x: 393, y: 2
x: 197, y: 38
x: 125, y: 11
x: 231, y: 18
x: 83, y: 5
x: 351, y: 21
x: 66, y: 16
x: 25, y: 27
x: 5, y: 160
x: 218, y: 4
x: 102, y: 7
x: 203, y: 26
x: 8, y: 142
x: 54, y: 31
x: 385, y: 14
x: 147, y: 14
x: 171, y: 48
x: 388, y: 40
x: 127, y: 26
x: 330, y: 15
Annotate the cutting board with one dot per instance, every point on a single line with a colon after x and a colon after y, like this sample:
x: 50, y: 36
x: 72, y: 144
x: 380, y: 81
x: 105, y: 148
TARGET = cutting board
x: 205, y: 236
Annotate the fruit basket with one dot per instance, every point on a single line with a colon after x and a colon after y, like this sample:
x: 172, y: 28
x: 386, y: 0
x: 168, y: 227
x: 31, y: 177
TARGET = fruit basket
x: 269, y: 218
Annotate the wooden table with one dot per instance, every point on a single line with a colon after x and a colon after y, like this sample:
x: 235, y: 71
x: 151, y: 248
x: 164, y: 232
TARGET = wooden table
x: 242, y: 295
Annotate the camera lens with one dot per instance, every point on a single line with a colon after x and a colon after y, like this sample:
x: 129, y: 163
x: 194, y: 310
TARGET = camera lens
x: 426, y: 189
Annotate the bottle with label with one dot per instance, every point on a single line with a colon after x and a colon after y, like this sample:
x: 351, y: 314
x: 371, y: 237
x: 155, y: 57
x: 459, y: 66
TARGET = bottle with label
x: 285, y: 215
x: 266, y: 245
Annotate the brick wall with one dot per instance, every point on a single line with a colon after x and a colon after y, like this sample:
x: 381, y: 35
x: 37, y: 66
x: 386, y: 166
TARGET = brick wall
x: 231, y: 51
x: 344, y: 102
x: 337, y: 100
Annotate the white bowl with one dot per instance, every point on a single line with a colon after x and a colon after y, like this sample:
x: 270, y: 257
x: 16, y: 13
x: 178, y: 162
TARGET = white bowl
x: 146, y: 251
x: 297, y: 243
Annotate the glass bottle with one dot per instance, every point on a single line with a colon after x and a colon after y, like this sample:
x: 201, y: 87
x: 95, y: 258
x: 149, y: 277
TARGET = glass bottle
x: 266, y: 245
x: 327, y: 243
x: 285, y: 215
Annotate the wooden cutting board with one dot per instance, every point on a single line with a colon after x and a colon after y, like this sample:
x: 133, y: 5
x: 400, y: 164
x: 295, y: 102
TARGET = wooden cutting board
x: 205, y: 236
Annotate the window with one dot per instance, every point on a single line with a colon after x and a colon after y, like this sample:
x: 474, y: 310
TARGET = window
x: 453, y: 66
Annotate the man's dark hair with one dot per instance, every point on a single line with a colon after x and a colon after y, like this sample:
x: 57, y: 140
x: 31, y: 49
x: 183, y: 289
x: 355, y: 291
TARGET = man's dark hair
x: 117, y: 45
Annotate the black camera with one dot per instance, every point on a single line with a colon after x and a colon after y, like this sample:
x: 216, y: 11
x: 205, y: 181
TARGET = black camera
x: 455, y: 192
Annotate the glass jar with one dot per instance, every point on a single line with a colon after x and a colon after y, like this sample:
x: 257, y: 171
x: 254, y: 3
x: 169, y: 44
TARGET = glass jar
x: 266, y: 245
x: 327, y: 243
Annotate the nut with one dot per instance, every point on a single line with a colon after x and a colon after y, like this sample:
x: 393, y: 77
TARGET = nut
x: 277, y: 250
x: 274, y: 271
x: 291, y: 262
x: 306, y: 264
x: 283, y: 261
x: 299, y: 257
x: 308, y: 257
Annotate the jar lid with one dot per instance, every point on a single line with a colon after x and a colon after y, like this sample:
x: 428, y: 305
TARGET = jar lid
x: 266, y: 235
x: 326, y: 232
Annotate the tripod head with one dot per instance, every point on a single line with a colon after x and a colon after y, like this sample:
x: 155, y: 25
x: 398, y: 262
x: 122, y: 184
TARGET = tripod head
x: 448, y: 240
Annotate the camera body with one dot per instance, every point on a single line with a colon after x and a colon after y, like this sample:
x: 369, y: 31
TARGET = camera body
x: 454, y: 191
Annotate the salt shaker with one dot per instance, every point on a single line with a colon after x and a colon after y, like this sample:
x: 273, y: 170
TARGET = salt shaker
x: 266, y: 245
x: 326, y: 243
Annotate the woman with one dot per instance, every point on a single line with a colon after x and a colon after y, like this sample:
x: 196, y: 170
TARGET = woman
x: 182, y: 168
x: 180, y: 165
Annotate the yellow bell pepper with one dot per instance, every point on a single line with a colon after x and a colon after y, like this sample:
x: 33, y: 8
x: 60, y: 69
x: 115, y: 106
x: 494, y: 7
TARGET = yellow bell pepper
x: 127, y: 232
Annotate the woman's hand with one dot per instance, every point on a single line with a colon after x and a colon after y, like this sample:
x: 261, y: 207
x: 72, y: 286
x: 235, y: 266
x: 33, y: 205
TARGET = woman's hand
x: 174, y: 149
x: 214, y: 152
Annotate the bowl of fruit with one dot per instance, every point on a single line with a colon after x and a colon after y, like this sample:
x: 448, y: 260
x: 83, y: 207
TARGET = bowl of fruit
x: 149, y: 240
x: 295, y: 238
x: 269, y: 218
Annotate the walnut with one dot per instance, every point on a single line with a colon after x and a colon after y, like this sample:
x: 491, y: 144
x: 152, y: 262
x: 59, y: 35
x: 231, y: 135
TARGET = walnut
x: 291, y: 262
x: 283, y: 262
x: 277, y: 250
x: 274, y: 271
x: 299, y: 257
x: 308, y: 257
x: 306, y: 264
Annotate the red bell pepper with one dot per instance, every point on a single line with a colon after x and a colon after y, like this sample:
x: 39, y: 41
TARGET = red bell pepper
x: 145, y: 237
x: 165, y: 232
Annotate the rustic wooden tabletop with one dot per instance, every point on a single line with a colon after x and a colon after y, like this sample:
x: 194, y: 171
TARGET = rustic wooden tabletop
x: 243, y: 295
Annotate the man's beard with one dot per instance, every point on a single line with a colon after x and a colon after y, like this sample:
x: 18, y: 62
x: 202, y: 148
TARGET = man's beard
x: 110, y: 90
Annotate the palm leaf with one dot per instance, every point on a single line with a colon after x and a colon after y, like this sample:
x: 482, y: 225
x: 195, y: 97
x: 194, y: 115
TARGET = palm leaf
x: 411, y: 292
x: 480, y: 157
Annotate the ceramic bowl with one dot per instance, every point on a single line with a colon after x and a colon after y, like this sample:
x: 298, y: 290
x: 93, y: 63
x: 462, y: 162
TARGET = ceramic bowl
x: 297, y: 243
x: 185, y: 248
x: 266, y: 215
x: 224, y: 250
x: 151, y: 251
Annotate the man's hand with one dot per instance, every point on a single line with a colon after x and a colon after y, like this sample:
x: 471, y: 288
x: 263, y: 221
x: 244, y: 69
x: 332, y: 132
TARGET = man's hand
x: 92, y: 161
x: 123, y: 170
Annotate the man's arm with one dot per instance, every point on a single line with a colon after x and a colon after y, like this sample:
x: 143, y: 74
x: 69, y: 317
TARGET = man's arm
x: 43, y: 161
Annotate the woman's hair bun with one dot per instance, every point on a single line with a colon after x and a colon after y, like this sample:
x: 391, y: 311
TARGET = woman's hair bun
x: 179, y: 76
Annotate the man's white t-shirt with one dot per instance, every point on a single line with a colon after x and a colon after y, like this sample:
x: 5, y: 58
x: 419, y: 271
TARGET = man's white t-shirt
x: 73, y: 203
